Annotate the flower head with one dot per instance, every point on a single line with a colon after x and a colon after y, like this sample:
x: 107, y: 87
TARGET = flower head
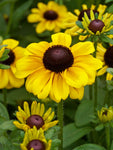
x: 70, y: 21
x: 34, y: 117
x: 106, y: 56
x: 97, y: 25
x: 58, y: 70
x: 49, y: 17
x: 7, y: 76
x: 35, y: 140
x: 106, y: 114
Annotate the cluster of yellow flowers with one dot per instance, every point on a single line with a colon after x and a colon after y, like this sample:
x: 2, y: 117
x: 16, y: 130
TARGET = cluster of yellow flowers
x: 34, y: 122
x: 56, y: 69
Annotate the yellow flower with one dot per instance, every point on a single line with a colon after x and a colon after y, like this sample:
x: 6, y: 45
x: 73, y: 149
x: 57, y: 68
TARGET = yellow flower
x: 96, y: 26
x: 70, y: 21
x: 49, y: 17
x: 58, y: 70
x: 106, y: 114
x: 7, y: 76
x: 35, y: 117
x: 35, y: 139
x: 106, y: 56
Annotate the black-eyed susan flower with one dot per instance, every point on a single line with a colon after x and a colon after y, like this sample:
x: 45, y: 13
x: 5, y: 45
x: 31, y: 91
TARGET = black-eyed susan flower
x: 105, y: 114
x: 7, y: 77
x: 34, y: 117
x: 57, y: 70
x: 49, y: 17
x: 106, y: 56
x: 35, y: 140
x: 70, y: 21
x: 96, y: 25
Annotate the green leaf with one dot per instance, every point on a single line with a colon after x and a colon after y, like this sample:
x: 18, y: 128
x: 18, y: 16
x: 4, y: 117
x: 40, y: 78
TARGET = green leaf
x: 110, y: 9
x: 20, y: 11
x: 107, y: 1
x: 85, y: 111
x: 110, y: 70
x: 3, y: 112
x: 3, y: 140
x: 5, y: 2
x: 111, y: 146
x: 104, y: 38
x: 5, y: 55
x: 2, y: 66
x: 99, y: 127
x: 7, y: 125
x: 111, y: 31
x: 72, y: 133
x: 79, y: 23
x: 89, y: 147
x: 1, y: 46
x: 55, y: 144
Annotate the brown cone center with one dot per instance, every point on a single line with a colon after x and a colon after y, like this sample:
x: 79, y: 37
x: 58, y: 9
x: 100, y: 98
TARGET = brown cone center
x: 10, y: 60
x: 96, y: 25
x: 35, y: 120
x: 57, y: 58
x: 87, y: 12
x: 36, y: 145
x: 108, y: 57
x: 50, y: 15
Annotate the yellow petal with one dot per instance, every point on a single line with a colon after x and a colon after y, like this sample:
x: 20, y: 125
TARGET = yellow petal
x: 40, y: 27
x: 26, y: 109
x: 37, y: 49
x: 75, y: 77
x: 102, y: 71
x: 76, y: 93
x: 27, y: 65
x: 11, y: 43
x: 3, y: 78
x: 33, y: 18
x: 61, y: 39
x: 82, y: 48
x: 109, y: 76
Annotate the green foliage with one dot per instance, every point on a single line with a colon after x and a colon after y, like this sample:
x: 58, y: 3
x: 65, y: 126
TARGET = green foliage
x: 72, y: 133
x: 106, y: 39
x: 79, y: 24
x: 89, y: 147
x: 3, y: 112
x: 20, y: 11
x: 85, y: 111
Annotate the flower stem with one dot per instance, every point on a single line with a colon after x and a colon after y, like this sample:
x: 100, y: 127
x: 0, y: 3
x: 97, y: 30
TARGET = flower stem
x: 107, y: 131
x: 90, y: 92
x: 5, y: 96
x: 10, y: 18
x: 60, y: 118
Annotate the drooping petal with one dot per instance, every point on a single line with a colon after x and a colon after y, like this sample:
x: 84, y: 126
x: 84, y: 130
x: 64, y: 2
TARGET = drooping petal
x: 11, y: 43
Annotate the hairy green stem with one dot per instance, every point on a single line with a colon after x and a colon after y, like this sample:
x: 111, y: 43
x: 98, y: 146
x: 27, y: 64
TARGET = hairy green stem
x: 10, y: 18
x: 60, y: 118
x: 107, y: 131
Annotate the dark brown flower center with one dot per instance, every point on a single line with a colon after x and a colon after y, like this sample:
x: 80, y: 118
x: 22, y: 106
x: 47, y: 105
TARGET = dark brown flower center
x: 108, y: 57
x: 96, y: 25
x: 105, y: 113
x: 35, y: 120
x: 36, y: 145
x: 50, y: 15
x: 87, y: 12
x: 58, y: 58
x: 10, y: 60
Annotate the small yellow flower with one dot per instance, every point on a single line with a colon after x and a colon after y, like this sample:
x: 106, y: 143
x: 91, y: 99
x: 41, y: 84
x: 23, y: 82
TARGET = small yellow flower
x: 49, y: 17
x: 70, y: 21
x: 106, y: 114
x: 7, y: 76
x: 57, y: 69
x: 96, y: 26
x: 35, y: 140
x: 35, y: 117
x: 106, y: 56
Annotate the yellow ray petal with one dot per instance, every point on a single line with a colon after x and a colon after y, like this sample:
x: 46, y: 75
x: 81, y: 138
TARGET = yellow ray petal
x: 10, y: 43
x: 76, y: 93
x: 61, y: 39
